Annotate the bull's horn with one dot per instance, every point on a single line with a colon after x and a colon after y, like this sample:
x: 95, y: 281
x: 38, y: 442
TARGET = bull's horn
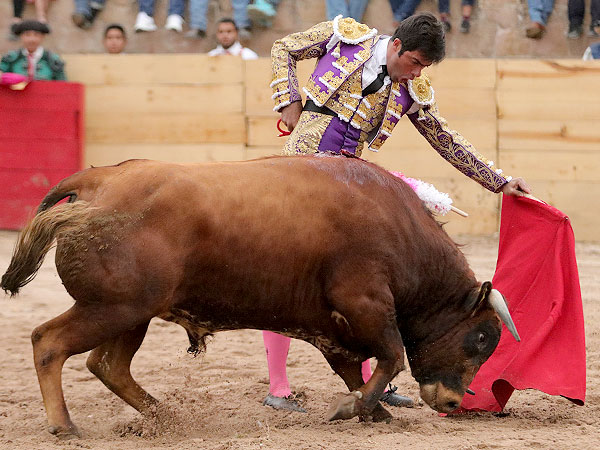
x: 470, y: 392
x: 497, y: 302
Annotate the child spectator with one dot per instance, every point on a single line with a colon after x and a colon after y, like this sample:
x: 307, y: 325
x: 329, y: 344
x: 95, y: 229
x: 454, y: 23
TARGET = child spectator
x: 145, y: 18
x: 115, y: 39
x: 86, y: 11
x: 33, y: 60
x: 227, y: 38
x: 347, y: 8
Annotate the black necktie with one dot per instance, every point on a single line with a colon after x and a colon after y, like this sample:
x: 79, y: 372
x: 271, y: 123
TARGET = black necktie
x: 375, y: 85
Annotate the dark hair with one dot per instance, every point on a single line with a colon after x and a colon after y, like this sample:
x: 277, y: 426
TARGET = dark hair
x: 422, y: 32
x: 228, y: 20
x: 115, y: 26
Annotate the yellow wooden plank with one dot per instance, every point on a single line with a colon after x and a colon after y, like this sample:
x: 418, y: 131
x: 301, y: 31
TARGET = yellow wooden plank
x: 161, y: 128
x: 107, y: 154
x: 260, y: 152
x: 559, y: 166
x: 139, y: 69
x: 121, y: 99
x: 549, y: 135
x: 473, y: 73
x: 548, y: 75
x: 556, y: 105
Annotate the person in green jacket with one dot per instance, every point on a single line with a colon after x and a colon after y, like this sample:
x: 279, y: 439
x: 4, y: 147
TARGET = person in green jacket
x: 33, y: 60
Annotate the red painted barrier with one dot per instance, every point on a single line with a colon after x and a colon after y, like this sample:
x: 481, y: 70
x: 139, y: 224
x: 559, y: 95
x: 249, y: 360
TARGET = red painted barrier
x: 41, y: 142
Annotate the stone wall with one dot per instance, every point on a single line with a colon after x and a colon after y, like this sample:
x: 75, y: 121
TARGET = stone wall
x: 497, y: 30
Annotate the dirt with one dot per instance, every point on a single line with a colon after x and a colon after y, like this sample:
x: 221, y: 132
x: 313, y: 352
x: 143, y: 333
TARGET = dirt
x: 214, y: 401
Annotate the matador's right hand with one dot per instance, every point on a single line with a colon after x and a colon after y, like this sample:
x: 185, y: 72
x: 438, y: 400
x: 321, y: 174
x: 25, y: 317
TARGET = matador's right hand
x: 291, y: 114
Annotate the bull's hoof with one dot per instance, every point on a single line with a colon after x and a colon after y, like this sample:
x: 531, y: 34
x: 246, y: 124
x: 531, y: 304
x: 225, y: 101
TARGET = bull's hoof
x: 380, y: 414
x: 64, y: 433
x: 285, y: 403
x: 345, y: 407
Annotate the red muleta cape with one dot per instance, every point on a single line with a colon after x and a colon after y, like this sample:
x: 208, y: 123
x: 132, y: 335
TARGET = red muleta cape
x: 537, y: 273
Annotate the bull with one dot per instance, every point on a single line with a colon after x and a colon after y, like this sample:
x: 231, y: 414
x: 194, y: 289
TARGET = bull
x: 334, y: 251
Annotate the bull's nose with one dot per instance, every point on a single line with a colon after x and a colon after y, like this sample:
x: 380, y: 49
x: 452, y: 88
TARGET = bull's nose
x: 452, y: 406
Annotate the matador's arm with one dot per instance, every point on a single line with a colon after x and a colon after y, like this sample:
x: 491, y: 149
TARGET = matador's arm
x: 284, y: 54
x: 455, y: 149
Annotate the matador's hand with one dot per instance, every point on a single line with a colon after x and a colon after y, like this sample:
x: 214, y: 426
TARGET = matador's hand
x: 516, y: 186
x: 290, y: 115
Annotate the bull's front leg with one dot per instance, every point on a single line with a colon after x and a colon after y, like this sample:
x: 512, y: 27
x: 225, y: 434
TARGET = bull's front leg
x: 363, y: 400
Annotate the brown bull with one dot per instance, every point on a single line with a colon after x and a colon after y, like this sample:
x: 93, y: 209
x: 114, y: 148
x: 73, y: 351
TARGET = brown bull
x: 330, y: 250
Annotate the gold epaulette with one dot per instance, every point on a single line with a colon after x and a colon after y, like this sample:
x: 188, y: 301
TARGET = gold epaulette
x: 350, y: 31
x: 421, y: 91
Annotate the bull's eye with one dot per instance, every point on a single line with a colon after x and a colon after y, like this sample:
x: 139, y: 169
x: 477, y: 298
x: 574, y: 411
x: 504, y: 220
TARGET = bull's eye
x: 482, y: 338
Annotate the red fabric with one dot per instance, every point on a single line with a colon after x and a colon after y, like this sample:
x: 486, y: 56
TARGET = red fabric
x: 537, y: 273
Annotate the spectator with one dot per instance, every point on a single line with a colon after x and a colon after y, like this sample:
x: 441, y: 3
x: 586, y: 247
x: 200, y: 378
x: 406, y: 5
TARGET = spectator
x: 262, y: 12
x: 33, y: 60
x: 576, y: 10
x: 41, y: 10
x: 86, y: 11
x: 18, y: 6
x: 403, y: 9
x: 145, y: 18
x: 539, y: 12
x: 347, y: 8
x: 467, y: 9
x: 115, y: 39
x: 198, y: 9
x: 592, y: 52
x: 227, y: 38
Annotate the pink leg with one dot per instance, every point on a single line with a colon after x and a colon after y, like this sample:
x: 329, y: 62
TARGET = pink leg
x: 365, y: 369
x: 277, y: 347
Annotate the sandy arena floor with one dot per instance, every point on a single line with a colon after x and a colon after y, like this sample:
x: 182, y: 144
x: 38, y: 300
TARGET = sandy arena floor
x: 216, y: 398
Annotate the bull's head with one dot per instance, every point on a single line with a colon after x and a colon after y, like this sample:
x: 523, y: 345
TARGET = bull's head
x: 444, y: 364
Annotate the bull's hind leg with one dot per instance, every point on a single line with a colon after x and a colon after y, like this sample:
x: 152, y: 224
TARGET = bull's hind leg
x: 111, y: 363
x: 76, y: 331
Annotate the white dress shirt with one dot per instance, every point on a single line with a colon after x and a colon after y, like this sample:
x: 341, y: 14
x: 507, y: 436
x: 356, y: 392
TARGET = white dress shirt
x: 235, y: 50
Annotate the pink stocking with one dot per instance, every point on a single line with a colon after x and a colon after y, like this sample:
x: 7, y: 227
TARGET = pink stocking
x: 365, y: 369
x: 277, y: 347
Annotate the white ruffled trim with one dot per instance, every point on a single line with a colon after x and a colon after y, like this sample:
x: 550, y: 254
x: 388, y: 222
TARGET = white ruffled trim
x: 373, y: 150
x: 344, y: 118
x: 382, y: 131
x: 281, y: 105
x: 340, y: 68
x: 499, y: 171
x: 309, y: 95
x: 350, y: 107
x: 414, y: 96
x: 366, y: 103
x: 326, y: 84
x: 361, y: 114
x: 341, y: 37
x: 508, y: 178
x: 335, y: 54
x: 280, y: 80
x: 396, y: 93
x: 355, y: 125
x: 358, y: 57
x: 356, y: 96
x: 280, y: 93
x: 394, y: 114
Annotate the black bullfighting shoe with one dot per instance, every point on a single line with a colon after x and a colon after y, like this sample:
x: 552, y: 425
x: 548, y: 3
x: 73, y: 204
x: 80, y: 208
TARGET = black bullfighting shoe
x: 286, y: 403
x: 391, y: 398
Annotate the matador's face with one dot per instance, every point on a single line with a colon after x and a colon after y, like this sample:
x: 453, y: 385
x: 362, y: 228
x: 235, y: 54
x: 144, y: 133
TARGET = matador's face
x: 406, y: 66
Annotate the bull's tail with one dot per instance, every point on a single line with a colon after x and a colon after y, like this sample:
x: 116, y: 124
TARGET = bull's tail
x: 38, y: 237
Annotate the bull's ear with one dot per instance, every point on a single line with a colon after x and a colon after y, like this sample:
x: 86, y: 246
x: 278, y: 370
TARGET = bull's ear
x: 478, y: 297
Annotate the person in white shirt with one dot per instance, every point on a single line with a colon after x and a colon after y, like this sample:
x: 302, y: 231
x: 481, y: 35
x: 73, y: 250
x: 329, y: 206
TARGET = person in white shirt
x: 227, y: 38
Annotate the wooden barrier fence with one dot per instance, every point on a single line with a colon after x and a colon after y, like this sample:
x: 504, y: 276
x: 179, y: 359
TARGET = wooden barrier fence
x: 537, y: 119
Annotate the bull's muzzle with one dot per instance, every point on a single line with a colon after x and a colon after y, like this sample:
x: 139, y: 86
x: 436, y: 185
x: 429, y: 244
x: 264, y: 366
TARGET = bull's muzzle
x: 440, y: 398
